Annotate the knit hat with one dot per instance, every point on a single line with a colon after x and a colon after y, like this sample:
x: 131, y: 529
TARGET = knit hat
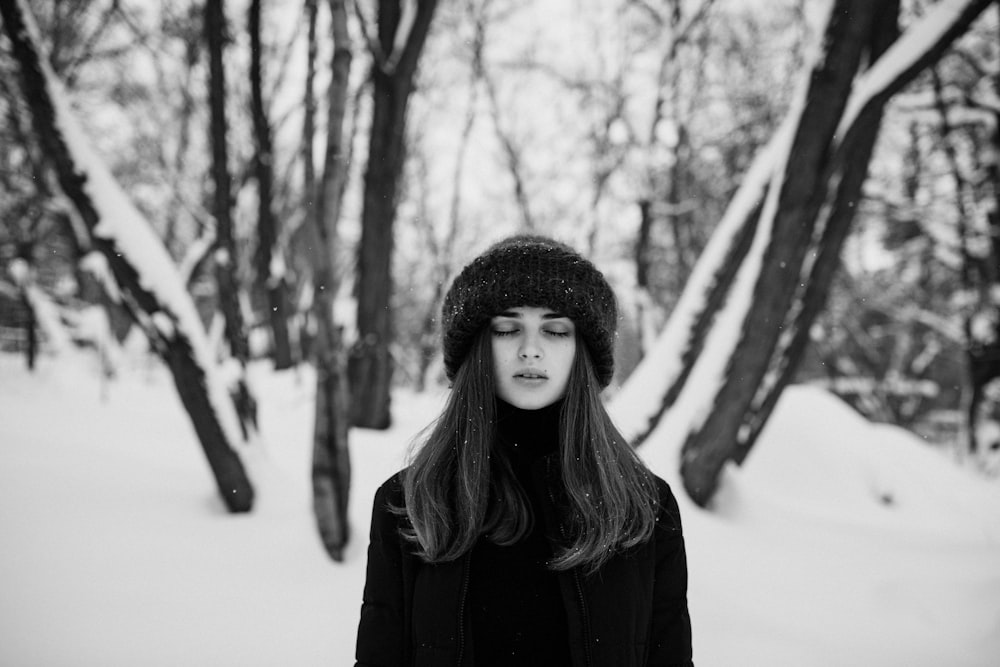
x: 530, y: 271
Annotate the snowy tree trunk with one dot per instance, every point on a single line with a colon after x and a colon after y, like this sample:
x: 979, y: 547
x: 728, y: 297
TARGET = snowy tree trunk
x: 657, y: 382
x: 331, y: 468
x: 370, y: 365
x: 791, y: 228
x: 707, y: 401
x: 849, y: 171
x: 225, y: 255
x: 722, y: 434
x: 272, y: 282
x: 149, y: 282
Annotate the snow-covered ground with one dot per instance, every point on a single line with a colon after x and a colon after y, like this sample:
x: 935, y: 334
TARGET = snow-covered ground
x: 838, y: 543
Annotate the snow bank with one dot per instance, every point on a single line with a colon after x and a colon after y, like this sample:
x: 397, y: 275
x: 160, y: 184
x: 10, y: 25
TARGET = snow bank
x: 117, y: 550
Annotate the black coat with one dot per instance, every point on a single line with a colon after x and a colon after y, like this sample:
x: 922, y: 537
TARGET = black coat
x: 630, y: 613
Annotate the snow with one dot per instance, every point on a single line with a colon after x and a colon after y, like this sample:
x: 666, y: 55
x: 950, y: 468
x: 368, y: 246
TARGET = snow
x: 48, y: 318
x: 97, y: 265
x: 838, y: 543
x: 983, y: 326
x: 19, y: 271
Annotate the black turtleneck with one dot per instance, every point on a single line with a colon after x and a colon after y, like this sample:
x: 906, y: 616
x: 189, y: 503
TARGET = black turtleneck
x: 515, y: 608
x: 525, y: 436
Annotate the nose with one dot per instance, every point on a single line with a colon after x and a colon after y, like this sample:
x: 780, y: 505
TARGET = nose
x: 530, y: 349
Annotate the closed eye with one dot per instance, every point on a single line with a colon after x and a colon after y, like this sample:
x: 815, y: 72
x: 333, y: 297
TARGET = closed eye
x: 559, y: 334
x: 504, y: 332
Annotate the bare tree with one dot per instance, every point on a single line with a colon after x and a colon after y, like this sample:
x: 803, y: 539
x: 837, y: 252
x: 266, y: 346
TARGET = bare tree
x: 271, y: 280
x: 216, y: 34
x: 979, y: 271
x: 143, y: 273
x: 331, y: 470
x: 395, y: 48
x: 849, y: 170
x: 512, y: 152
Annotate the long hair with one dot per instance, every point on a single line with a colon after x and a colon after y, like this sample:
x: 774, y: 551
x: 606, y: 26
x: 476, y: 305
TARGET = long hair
x: 458, y: 487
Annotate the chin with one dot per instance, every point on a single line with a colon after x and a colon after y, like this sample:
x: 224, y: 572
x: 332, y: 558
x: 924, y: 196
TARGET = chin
x: 530, y: 402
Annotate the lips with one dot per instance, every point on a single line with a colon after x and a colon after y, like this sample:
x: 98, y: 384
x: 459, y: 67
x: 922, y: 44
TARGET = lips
x: 528, y: 374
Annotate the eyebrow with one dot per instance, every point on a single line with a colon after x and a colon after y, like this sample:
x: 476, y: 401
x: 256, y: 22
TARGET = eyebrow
x: 516, y: 315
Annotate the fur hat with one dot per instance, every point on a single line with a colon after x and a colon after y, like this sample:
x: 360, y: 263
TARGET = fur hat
x: 530, y: 271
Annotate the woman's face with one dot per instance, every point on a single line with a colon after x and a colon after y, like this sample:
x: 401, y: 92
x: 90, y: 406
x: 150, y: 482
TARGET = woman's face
x: 533, y: 350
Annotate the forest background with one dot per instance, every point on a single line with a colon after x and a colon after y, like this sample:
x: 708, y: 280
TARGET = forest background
x: 314, y: 172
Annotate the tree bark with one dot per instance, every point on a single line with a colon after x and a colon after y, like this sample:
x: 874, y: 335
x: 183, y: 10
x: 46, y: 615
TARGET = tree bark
x: 225, y: 256
x: 849, y: 171
x: 192, y: 55
x: 370, y: 366
x: 172, y: 341
x: 31, y: 331
x: 26, y: 253
x: 273, y: 284
x: 331, y: 469
x: 642, y: 243
x: 309, y: 116
x: 303, y: 257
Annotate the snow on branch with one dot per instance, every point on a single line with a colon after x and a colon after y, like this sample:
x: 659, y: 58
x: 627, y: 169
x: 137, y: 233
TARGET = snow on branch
x: 640, y: 402
x: 921, y: 44
x: 169, y: 310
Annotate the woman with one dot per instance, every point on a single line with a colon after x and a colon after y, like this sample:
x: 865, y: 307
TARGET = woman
x: 526, y: 531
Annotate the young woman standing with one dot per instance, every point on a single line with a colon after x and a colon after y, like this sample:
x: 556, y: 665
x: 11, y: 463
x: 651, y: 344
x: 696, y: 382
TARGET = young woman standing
x: 525, y: 531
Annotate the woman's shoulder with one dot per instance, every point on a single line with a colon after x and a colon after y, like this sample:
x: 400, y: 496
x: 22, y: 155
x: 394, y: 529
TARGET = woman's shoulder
x: 388, y: 509
x: 390, y: 492
x: 668, y: 516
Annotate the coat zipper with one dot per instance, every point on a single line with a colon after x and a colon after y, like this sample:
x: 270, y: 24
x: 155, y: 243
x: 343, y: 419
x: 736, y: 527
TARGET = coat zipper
x: 461, y: 606
x: 585, y: 617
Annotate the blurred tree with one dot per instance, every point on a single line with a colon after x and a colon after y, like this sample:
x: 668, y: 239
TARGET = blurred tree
x: 666, y: 144
x: 425, y: 270
x: 303, y: 260
x: 331, y: 470
x: 970, y: 141
x: 513, y: 154
x: 40, y: 246
x: 902, y: 319
x: 141, y: 269
x: 271, y: 275
x: 722, y: 436
x: 395, y: 49
x: 809, y: 180
x: 225, y: 257
x: 763, y: 363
